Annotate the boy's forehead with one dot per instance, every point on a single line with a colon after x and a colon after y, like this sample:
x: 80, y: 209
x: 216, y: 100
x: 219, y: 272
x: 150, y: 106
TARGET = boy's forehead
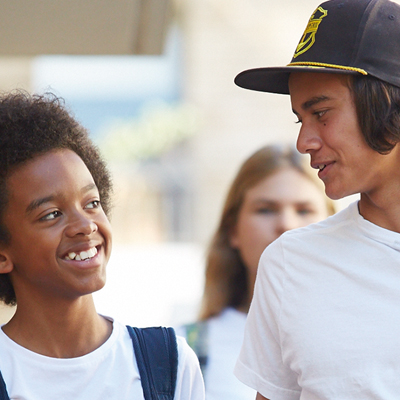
x: 46, y: 172
x: 44, y: 163
x: 309, y: 81
x: 308, y: 89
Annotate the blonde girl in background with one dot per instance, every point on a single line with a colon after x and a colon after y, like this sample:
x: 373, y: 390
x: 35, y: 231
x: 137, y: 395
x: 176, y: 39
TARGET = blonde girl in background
x: 274, y: 191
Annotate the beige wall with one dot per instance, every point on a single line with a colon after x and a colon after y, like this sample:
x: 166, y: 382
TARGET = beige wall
x: 15, y: 72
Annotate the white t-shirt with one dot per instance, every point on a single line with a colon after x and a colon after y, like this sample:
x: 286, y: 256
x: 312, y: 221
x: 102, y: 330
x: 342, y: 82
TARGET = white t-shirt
x: 109, y: 372
x: 224, y: 339
x: 325, y: 318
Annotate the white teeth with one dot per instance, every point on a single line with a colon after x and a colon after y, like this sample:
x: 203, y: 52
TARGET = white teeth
x: 83, y: 255
x: 92, y: 252
x: 321, y: 166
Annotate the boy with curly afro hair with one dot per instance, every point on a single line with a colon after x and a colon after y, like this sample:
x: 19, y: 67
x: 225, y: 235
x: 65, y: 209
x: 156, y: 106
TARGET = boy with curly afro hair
x: 55, y: 242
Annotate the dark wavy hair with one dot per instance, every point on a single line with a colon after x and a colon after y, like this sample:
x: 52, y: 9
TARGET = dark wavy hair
x: 31, y: 125
x: 378, y: 111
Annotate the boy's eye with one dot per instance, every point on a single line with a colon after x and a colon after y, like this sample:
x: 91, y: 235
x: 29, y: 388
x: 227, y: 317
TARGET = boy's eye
x: 320, y: 114
x: 50, y: 216
x: 93, y: 204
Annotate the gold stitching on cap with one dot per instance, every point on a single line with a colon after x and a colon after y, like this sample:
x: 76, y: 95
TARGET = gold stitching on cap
x: 317, y: 64
x: 308, y: 38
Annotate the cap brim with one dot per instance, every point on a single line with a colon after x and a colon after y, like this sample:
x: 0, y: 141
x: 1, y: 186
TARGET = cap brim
x: 275, y: 79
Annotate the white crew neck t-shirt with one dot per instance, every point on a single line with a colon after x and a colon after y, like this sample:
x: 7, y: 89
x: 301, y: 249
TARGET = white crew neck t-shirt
x: 324, y: 323
x: 109, y: 372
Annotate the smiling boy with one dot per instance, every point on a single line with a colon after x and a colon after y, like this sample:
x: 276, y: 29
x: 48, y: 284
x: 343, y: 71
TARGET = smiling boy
x: 55, y: 242
x: 324, y: 321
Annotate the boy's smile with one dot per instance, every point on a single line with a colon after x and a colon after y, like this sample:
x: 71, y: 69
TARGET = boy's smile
x: 60, y: 236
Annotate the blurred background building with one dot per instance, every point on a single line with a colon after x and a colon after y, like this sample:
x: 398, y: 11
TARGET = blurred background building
x: 152, y: 80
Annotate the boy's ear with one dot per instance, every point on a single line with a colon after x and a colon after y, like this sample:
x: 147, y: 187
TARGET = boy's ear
x: 6, y: 265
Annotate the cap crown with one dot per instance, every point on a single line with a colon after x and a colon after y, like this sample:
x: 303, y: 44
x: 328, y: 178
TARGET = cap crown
x: 363, y: 35
x: 342, y: 36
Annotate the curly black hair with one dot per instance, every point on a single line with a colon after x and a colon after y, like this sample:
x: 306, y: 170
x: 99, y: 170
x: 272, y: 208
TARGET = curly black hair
x: 31, y: 125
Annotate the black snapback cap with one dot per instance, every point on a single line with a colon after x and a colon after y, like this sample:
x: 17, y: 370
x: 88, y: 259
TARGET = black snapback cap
x: 342, y: 36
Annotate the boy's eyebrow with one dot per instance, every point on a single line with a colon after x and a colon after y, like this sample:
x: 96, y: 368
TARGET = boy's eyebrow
x: 38, y: 202
x: 88, y: 187
x: 315, y: 100
x: 309, y: 103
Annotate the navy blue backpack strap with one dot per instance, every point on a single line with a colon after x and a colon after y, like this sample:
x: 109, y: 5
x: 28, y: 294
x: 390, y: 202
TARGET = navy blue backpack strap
x: 3, y: 390
x: 157, y: 359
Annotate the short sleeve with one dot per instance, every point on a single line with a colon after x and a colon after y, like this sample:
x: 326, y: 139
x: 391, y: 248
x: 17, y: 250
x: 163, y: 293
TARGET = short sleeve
x: 260, y: 363
x: 189, y: 383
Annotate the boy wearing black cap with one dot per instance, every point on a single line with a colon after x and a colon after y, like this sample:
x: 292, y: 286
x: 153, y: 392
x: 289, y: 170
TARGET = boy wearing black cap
x: 324, y: 319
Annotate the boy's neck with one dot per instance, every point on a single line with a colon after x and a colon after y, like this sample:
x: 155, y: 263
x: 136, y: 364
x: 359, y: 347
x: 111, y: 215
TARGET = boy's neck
x: 60, y: 332
x: 384, y: 212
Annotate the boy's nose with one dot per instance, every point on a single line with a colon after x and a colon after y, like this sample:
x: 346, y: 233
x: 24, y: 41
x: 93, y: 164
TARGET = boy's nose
x: 81, y: 225
x: 308, y: 140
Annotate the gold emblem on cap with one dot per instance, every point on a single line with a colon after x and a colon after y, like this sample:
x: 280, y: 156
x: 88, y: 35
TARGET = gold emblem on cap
x: 308, y: 38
